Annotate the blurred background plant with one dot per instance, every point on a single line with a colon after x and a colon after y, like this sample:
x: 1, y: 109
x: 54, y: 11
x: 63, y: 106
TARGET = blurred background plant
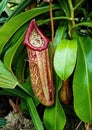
x: 72, y: 60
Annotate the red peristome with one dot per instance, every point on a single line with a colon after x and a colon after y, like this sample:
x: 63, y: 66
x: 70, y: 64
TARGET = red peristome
x: 33, y: 26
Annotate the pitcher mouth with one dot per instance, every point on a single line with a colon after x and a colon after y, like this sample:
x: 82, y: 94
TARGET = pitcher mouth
x: 34, y: 38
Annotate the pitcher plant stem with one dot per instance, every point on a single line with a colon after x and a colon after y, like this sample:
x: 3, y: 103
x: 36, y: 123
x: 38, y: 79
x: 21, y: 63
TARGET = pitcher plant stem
x: 52, y: 37
x: 72, y: 16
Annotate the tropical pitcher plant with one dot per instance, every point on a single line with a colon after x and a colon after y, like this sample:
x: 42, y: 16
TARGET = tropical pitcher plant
x: 46, y: 59
x: 39, y: 66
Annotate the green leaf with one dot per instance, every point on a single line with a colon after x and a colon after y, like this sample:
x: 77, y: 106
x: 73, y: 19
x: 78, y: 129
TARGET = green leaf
x: 7, y: 79
x: 34, y: 114
x: 65, y: 58
x: 64, y: 5
x: 89, y: 24
x: 14, y: 50
x: 23, y: 105
x: 18, y: 21
x: 2, y: 5
x: 54, y: 117
x: 78, y: 4
x: 82, y: 82
x: 14, y: 92
x: 20, y: 91
x: 20, y: 64
x: 23, y: 4
x: 11, y: 52
x: 7, y: 10
x: 60, y: 33
x: 2, y: 121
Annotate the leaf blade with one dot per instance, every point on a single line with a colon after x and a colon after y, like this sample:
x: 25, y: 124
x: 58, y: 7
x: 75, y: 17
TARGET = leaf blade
x: 66, y: 51
x: 19, y: 21
x: 83, y: 92
x: 53, y: 116
x: 7, y: 79
x: 2, y: 5
x: 8, y: 57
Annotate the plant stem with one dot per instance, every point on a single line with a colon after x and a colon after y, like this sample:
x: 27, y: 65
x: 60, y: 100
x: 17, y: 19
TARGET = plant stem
x: 71, y: 15
x: 71, y: 11
x: 78, y: 125
x: 88, y: 126
x: 52, y: 36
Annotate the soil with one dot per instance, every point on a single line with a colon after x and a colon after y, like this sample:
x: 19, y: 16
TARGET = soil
x: 13, y: 121
x: 20, y: 120
x: 17, y: 121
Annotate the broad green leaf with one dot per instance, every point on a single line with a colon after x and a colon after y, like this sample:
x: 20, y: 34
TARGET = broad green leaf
x: 54, y: 117
x: 82, y: 82
x: 18, y: 21
x: 7, y: 79
x: 65, y: 58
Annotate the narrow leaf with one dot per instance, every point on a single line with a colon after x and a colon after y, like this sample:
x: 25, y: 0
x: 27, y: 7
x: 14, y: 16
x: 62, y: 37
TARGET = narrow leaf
x: 2, y: 122
x: 8, y: 58
x: 21, y: 7
x: 20, y: 65
x: 2, y: 5
x: 88, y: 24
x: 64, y: 6
x: 60, y: 33
x: 13, y: 92
x: 34, y: 114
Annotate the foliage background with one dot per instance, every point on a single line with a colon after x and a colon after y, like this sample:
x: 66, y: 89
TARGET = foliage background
x: 72, y: 42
